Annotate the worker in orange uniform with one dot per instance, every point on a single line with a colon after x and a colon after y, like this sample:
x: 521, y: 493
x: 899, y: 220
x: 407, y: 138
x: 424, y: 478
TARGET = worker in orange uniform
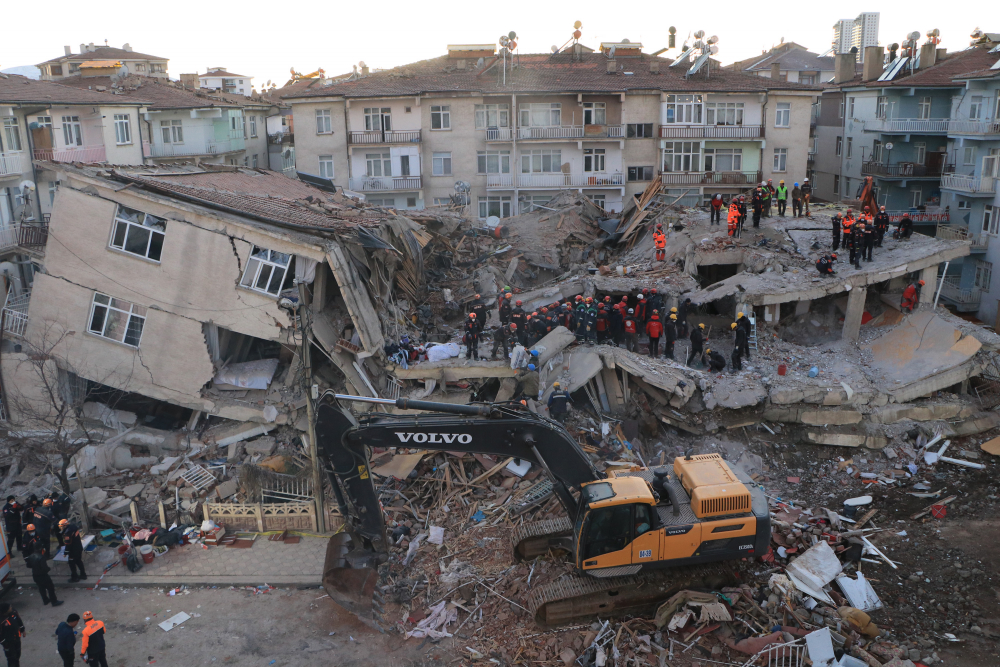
x: 660, y: 239
x: 92, y: 648
x: 733, y: 219
x: 911, y: 295
x: 654, y: 329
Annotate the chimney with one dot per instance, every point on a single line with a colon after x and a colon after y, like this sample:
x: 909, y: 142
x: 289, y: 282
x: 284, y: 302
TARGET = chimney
x: 365, y: 69
x: 83, y: 49
x: 91, y: 48
x: 941, y: 53
x: 928, y: 55
x: 654, y: 66
x: 127, y: 47
x: 843, y: 68
x: 612, y: 66
x: 873, y: 63
x: 460, y: 63
x: 775, y: 71
x: 68, y: 50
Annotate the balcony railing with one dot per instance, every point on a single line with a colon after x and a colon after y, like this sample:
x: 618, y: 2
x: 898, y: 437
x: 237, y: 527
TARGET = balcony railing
x: 710, y: 178
x: 974, y: 126
x: 500, y: 181
x: 197, y: 148
x: 388, y: 137
x: 11, y: 164
x: 553, y: 132
x: 560, y: 180
x: 72, y: 154
x: 984, y: 185
x: 8, y: 236
x: 33, y: 235
x: 907, y: 125
x: 280, y: 137
x: 904, y: 170
x: 499, y: 134
x: 15, y: 314
x: 384, y: 183
x: 711, y: 132
x: 951, y: 291
x: 980, y: 242
x: 918, y: 217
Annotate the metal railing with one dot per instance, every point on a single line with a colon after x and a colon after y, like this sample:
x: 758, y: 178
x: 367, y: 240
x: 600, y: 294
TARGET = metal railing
x: 499, y: 133
x: 384, y: 183
x: 15, y: 314
x: 918, y: 217
x: 551, y: 132
x: 386, y: 137
x: 561, y: 180
x: 974, y: 126
x: 280, y: 137
x: 198, y: 148
x: 980, y: 242
x: 904, y: 170
x: 72, y: 154
x: 11, y: 163
x: 710, y: 178
x: 711, y: 132
x: 500, y: 181
x: 907, y: 125
x: 985, y: 185
x: 967, y: 297
x: 33, y: 235
x: 8, y: 236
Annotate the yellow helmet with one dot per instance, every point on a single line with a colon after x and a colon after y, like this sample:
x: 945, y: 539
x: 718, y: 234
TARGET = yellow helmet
x: 674, y: 309
x: 739, y: 315
x: 673, y: 317
x: 701, y: 326
x: 733, y: 325
x: 556, y: 384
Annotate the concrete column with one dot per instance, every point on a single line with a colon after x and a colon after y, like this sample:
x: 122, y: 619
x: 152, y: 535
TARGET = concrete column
x: 802, y: 307
x: 855, y: 309
x: 930, y: 277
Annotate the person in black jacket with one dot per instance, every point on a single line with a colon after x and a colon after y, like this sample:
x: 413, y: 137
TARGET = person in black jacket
x: 558, y: 402
x: 836, y: 221
x: 40, y: 575
x: 697, y: 339
x: 669, y: 336
x: 32, y: 542
x: 11, y: 631
x: 504, y: 309
x: 472, y: 332
x: 28, y: 511
x: 881, y: 226
x: 743, y: 322
x: 683, y: 311
x: 12, y: 522
x: 868, y: 241
x: 66, y: 639
x: 43, y: 523
x: 504, y: 336
x: 74, y: 550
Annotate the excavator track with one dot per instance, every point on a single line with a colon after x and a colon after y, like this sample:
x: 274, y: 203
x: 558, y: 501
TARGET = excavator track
x: 582, y: 598
x: 535, y: 538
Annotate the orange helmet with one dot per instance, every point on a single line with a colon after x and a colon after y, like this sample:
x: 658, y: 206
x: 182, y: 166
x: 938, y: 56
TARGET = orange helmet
x: 472, y: 316
x: 535, y: 314
x: 921, y: 283
x: 31, y: 527
x: 63, y: 523
x: 88, y: 616
x: 47, y: 502
x: 513, y: 327
x: 509, y: 295
x: 545, y: 309
x: 477, y: 296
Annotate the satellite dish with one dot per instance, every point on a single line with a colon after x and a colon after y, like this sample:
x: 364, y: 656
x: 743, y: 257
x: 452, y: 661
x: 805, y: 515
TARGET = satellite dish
x: 914, y: 35
x: 611, y: 51
x: 361, y: 64
x: 577, y: 25
x: 625, y: 41
x: 888, y: 146
x: 503, y: 40
x: 268, y: 83
x: 713, y: 39
x: 699, y: 34
x: 714, y: 49
x: 462, y: 186
x: 672, y: 30
x: 894, y: 46
x: 554, y: 48
x: 27, y: 186
x: 479, y: 63
x: 492, y: 221
x: 933, y: 33
x: 512, y: 35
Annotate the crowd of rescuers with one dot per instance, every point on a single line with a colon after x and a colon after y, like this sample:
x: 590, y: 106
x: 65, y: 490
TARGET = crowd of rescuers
x: 759, y: 204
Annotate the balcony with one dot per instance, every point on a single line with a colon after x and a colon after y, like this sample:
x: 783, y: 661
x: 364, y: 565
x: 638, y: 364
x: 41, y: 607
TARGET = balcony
x: 197, y: 148
x: 979, y: 242
x: 908, y: 125
x: 560, y: 180
x: 499, y: 134
x: 711, y: 132
x: 550, y: 132
x: 499, y: 181
x: 14, y: 314
x: 974, y: 127
x: 72, y: 154
x: 984, y: 186
x: 283, y: 137
x: 918, y: 217
x: 710, y: 178
x: 33, y: 236
x: 384, y: 183
x: 904, y: 170
x: 11, y: 164
x: 375, y: 137
x: 963, y: 299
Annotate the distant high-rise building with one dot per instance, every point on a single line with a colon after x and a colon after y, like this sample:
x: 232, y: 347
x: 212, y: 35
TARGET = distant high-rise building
x: 860, y: 32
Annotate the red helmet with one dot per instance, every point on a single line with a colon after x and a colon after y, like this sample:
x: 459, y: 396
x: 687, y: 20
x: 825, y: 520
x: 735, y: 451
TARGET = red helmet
x: 477, y: 296
x: 653, y: 290
x: 833, y: 256
x: 535, y: 314
x: 472, y: 316
x: 544, y: 309
x: 607, y: 299
x: 513, y: 326
x: 589, y: 299
x: 645, y: 290
x: 519, y: 302
x: 579, y: 297
x: 624, y: 298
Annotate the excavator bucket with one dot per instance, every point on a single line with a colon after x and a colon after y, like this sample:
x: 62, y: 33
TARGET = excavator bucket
x: 350, y: 575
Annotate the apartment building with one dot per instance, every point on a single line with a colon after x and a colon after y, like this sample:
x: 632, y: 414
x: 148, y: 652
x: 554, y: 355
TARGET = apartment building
x: 124, y: 60
x: 218, y: 78
x: 860, y: 32
x: 517, y: 131
x: 794, y: 63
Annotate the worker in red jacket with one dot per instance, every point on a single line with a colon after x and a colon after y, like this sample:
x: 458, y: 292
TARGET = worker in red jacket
x: 911, y: 295
x: 631, y: 335
x: 602, y: 323
x: 660, y: 240
x: 654, y: 329
x: 716, y: 210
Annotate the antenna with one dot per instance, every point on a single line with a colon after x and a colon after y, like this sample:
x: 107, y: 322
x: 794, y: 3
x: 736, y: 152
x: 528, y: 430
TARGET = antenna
x: 554, y: 48
x: 672, y: 39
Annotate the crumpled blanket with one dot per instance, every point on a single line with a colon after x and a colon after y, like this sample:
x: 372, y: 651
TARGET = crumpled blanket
x: 440, y: 616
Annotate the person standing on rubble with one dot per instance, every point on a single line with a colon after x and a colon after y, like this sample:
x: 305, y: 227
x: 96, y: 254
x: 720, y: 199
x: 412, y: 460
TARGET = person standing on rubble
x: 715, y: 208
x: 472, y: 332
x: 74, y: 550
x: 654, y: 330
x: 836, y: 221
x: 757, y: 204
x: 504, y: 311
x: 615, y: 321
x: 733, y: 218
x: 528, y: 377
x: 655, y: 300
x: 743, y: 216
x: 11, y: 631
x: 768, y: 197
x: 781, y: 194
x: 669, y: 336
x: 43, y: 524
x: 503, y: 336
x: 807, y: 191
x: 743, y: 322
x: 558, y: 403
x: 631, y: 332
x: 479, y: 309
x: 868, y: 239
x: 590, y: 333
x: 660, y: 241
x: 911, y: 296
x: 796, y: 201
x: 682, y: 318
x: 697, y: 339
x: 641, y: 309
x: 741, y: 345
x: 518, y: 317
x: 881, y: 226
x: 857, y: 243
x: 12, y: 522
x: 602, y: 323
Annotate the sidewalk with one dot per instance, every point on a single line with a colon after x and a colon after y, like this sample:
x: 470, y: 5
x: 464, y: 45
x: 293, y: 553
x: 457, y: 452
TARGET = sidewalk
x: 265, y: 563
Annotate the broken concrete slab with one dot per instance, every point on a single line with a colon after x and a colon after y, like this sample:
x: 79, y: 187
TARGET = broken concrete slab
x: 227, y: 488
x: 453, y: 370
x: 239, y: 432
x: 264, y: 446
x: 846, y: 439
x: 94, y: 494
x: 735, y: 397
x: 119, y: 506
x: 165, y: 465
x: 813, y: 417
x: 896, y: 412
x: 553, y: 343
x: 576, y: 370
x: 133, y: 490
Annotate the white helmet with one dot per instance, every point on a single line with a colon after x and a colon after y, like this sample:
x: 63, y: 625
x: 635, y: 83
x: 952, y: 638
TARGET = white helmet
x: 763, y: 183
x: 805, y: 180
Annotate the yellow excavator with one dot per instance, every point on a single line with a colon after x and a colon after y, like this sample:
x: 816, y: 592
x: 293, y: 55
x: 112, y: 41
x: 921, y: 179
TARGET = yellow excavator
x: 635, y: 535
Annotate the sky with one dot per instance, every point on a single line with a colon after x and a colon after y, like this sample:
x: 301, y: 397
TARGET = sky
x: 265, y: 39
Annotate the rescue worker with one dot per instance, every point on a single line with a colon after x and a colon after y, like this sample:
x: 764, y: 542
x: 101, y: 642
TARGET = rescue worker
x: 641, y: 309
x: 768, y: 197
x: 669, y: 336
x: 74, y: 550
x: 911, y: 296
x: 881, y: 226
x: 807, y: 190
x: 66, y: 639
x: 905, y: 228
x: 529, y: 381
x: 479, y: 308
x: 781, y: 193
x: 654, y: 330
x: 504, y: 311
x: 31, y: 541
x: 43, y: 524
x: 868, y: 239
x: 847, y: 227
x: 743, y: 322
x: 857, y: 243
x: 716, y: 362
x: 602, y: 324
x: 682, y: 318
x: 736, y: 359
x: 538, y: 327
x: 558, y: 403
x: 11, y: 631
x: 796, y: 201
x: 39, y: 566
x: 740, y: 346
x: 504, y: 335
x: 743, y: 215
x: 28, y: 514
x: 697, y: 338
x: 824, y: 266
x: 590, y: 333
x: 12, y: 523
x: 617, y: 321
x: 660, y: 241
x: 836, y: 221
x: 472, y: 331
x: 757, y: 204
x: 631, y: 329
x: 92, y: 648
x: 733, y: 218
x: 716, y: 209
x: 655, y: 300
x: 518, y: 317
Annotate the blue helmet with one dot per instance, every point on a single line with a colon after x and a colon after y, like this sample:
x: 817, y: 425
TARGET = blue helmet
x: 534, y: 353
x: 531, y: 367
x: 796, y: 184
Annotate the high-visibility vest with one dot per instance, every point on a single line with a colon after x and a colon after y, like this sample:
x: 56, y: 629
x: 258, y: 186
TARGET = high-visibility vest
x: 848, y: 223
x: 660, y: 240
x: 782, y: 192
x: 734, y: 214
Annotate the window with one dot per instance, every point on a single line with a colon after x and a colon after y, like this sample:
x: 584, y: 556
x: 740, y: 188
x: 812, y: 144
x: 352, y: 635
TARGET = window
x: 72, y: 130
x: 594, y: 113
x: 969, y: 155
x: 593, y: 159
x: 920, y: 149
x: 840, y: 146
x: 411, y: 202
x: 964, y: 205
x: 267, y: 271
x: 541, y: 115
x: 378, y: 119
x: 608, y: 529
x: 924, y: 108
x: 494, y: 205
x: 850, y: 147
x: 44, y: 121
x: 780, y: 159
x: 881, y: 106
x: 246, y: 160
x: 850, y: 107
x: 389, y: 202
x: 404, y: 165
x: 809, y: 79
x: 254, y: 161
x: 123, y: 129
x: 640, y: 173
x: 840, y: 114
x: 984, y: 275
x: 11, y: 134
x: 916, y: 197
x: 140, y: 67
x: 116, y: 320
x: 378, y: 164
x: 253, y: 126
x: 541, y: 161
x: 528, y: 203
x: 976, y: 107
x: 783, y: 114
x: 441, y: 117
x: 991, y: 221
x: 138, y: 233
x: 639, y: 131
x: 723, y: 159
x: 57, y: 70
x: 157, y: 68
x: 492, y: 115
x: 600, y: 200
x: 324, y: 124
x: 492, y: 162
x: 681, y: 156
x: 876, y: 151
x: 441, y: 164
x: 172, y: 131
x: 847, y: 186
x: 724, y: 113
x: 836, y: 184
x: 236, y: 122
x: 326, y: 166
x: 685, y: 109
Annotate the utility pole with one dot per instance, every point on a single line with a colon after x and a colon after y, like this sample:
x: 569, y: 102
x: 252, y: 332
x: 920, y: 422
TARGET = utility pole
x: 305, y: 326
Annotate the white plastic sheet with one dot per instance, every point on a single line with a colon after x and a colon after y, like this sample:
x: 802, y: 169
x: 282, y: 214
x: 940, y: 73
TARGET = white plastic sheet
x: 443, y: 351
x: 249, y: 374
